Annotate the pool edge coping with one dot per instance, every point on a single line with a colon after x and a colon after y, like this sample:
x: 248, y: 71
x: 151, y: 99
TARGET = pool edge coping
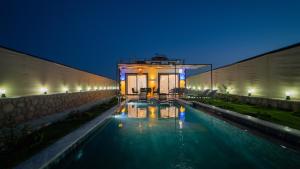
x: 49, y: 155
x: 284, y: 133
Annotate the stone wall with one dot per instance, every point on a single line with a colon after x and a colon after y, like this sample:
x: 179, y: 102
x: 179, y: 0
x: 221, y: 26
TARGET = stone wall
x: 29, y: 108
x: 266, y: 102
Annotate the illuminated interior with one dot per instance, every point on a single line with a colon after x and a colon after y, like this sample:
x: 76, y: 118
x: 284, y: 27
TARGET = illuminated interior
x: 158, y: 77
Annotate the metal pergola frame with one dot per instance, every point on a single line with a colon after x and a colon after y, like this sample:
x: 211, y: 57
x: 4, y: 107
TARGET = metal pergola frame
x: 172, y: 65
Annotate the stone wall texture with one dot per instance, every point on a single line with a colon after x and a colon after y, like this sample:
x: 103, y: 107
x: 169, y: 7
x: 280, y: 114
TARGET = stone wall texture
x: 266, y: 102
x: 23, y: 109
x: 271, y: 75
x: 24, y: 75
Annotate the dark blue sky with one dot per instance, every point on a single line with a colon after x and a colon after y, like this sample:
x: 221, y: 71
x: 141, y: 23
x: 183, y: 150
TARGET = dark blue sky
x: 94, y: 35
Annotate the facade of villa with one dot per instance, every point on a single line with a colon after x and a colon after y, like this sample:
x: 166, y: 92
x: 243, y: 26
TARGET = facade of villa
x: 158, y: 75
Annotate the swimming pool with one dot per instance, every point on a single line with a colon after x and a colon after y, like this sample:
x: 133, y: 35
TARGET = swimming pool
x: 167, y: 136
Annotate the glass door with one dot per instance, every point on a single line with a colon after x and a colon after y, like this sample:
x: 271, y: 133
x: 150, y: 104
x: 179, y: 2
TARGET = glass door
x: 135, y: 82
x: 168, y: 82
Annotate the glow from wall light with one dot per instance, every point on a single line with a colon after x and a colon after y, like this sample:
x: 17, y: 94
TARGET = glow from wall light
x: 182, y: 76
x: 199, y: 88
x: 205, y: 88
x: 65, y: 89
x: 122, y: 76
x: 89, y: 88
x: 79, y: 88
x: 289, y: 94
x: 44, y: 90
x: 251, y: 91
x: 2, y: 92
x: 95, y: 88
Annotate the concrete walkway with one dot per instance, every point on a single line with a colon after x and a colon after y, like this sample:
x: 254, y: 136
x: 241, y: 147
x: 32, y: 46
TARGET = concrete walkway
x: 57, y: 150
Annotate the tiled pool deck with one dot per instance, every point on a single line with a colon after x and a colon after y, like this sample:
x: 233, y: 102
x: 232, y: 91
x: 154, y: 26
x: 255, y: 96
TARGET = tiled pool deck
x: 56, y: 151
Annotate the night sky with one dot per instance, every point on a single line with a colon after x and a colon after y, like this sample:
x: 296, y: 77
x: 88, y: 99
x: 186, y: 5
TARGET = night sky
x: 94, y: 35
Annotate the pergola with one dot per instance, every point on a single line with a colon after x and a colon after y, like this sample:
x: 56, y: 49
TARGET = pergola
x: 176, y: 66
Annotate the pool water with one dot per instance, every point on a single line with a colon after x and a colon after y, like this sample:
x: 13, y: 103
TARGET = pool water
x: 168, y: 136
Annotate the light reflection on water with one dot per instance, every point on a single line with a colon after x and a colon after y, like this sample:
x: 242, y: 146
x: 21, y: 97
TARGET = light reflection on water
x: 168, y: 136
x: 151, y: 112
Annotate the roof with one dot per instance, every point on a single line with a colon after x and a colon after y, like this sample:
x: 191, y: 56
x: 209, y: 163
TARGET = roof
x: 162, y: 66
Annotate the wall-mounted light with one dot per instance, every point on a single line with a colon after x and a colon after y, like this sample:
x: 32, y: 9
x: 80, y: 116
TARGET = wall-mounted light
x: 79, y: 89
x: 182, y: 76
x: 250, y: 91
x: 140, y: 70
x: 95, y: 88
x: 122, y: 76
x: 3, y: 92
x: 288, y: 95
x: 89, y: 88
x: 65, y: 89
x: 44, y: 90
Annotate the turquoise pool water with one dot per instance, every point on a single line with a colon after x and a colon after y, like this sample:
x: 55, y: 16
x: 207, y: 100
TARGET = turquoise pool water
x: 145, y: 136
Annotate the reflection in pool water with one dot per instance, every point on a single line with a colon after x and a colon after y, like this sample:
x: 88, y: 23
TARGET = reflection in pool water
x: 168, y: 136
x: 142, y: 110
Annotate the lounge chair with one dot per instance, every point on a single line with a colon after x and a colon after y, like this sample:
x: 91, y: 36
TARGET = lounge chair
x: 162, y: 96
x: 204, y: 93
x: 143, y: 96
x: 133, y: 91
x: 212, y: 93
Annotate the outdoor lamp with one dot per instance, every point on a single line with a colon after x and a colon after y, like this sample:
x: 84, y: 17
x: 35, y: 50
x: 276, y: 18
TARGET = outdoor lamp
x: 66, y: 90
x: 44, y: 90
x: 2, y: 92
x: 250, y: 92
x: 288, y: 95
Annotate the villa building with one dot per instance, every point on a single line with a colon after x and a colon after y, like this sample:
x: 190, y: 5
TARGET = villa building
x: 159, y: 75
